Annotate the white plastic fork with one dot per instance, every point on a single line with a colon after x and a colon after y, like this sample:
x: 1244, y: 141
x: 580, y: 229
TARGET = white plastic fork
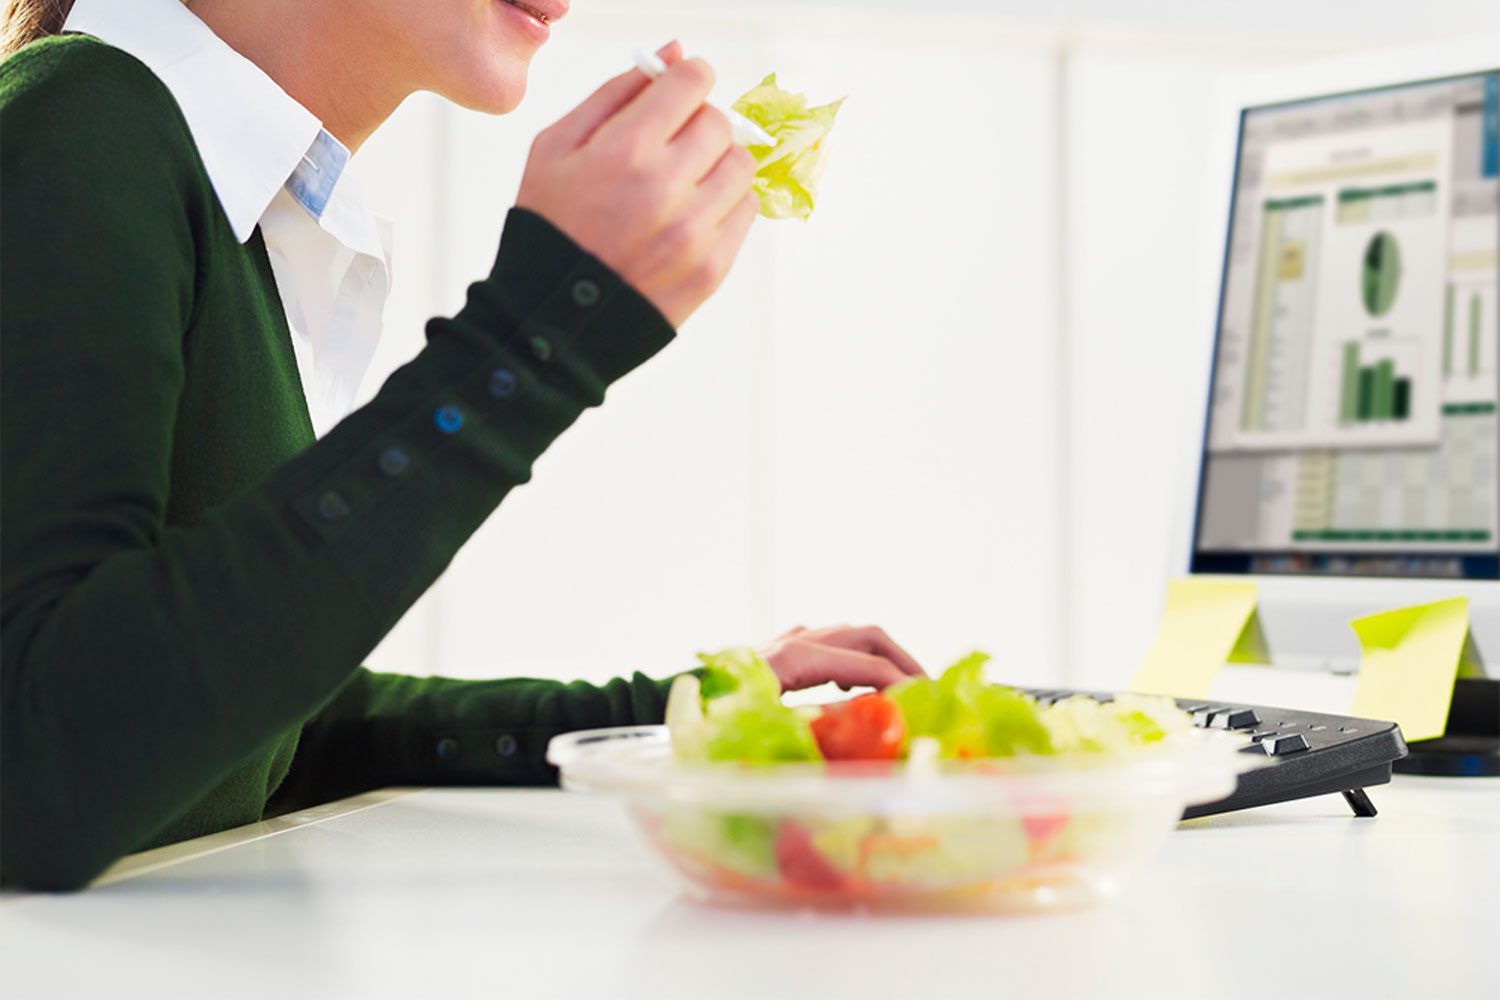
x: 745, y: 131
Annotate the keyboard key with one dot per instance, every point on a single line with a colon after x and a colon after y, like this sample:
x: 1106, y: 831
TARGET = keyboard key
x: 1258, y: 736
x: 1233, y: 718
x: 1280, y: 746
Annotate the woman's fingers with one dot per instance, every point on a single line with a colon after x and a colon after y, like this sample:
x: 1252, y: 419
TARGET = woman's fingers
x: 732, y: 233
x: 702, y: 142
x: 658, y: 112
x: 724, y: 189
x: 870, y: 639
x: 801, y: 663
x: 577, y: 126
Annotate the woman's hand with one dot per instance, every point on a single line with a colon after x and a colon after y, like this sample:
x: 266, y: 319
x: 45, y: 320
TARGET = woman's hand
x: 644, y: 176
x: 846, y: 655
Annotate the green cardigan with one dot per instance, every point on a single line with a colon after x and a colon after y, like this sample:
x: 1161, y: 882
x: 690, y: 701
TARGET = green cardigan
x: 190, y: 581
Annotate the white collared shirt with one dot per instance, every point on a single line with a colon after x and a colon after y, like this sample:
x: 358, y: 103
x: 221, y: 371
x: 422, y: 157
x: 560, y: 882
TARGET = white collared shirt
x: 271, y: 164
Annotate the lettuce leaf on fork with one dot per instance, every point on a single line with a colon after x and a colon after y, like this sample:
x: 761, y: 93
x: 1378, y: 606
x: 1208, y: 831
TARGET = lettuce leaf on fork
x: 787, y: 174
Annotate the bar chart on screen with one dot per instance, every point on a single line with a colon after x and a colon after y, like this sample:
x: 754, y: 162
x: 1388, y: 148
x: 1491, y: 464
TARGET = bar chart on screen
x: 1375, y: 379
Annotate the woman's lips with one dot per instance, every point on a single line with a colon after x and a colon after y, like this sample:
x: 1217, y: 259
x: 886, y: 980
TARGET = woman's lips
x: 529, y: 19
x: 545, y: 11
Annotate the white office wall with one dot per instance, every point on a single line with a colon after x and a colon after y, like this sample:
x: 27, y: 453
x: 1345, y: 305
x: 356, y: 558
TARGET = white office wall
x: 914, y: 362
x: 1140, y: 294
x: 635, y: 544
x: 948, y: 404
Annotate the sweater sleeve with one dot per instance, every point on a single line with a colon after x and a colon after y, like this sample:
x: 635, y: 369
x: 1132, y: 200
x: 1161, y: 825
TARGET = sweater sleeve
x: 140, y: 661
x: 387, y: 729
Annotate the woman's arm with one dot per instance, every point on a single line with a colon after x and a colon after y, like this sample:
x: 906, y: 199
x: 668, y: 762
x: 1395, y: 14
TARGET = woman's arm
x: 139, y: 662
x: 388, y: 729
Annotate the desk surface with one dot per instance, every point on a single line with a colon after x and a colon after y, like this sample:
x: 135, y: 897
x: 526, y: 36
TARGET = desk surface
x: 470, y: 892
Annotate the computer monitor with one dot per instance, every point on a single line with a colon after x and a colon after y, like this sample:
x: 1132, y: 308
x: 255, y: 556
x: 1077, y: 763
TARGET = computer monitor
x: 1348, y: 459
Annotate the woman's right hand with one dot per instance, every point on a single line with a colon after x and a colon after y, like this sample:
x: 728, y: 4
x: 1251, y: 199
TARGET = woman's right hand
x: 645, y: 176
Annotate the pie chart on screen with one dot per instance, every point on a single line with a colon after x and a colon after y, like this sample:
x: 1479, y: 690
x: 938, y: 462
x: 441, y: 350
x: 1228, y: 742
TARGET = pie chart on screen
x: 1381, y: 274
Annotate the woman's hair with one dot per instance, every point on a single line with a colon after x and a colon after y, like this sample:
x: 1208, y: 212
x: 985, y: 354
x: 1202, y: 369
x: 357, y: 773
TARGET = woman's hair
x: 27, y: 20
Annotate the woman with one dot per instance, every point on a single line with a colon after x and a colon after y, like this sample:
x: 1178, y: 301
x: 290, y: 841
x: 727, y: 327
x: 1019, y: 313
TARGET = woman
x: 201, y: 539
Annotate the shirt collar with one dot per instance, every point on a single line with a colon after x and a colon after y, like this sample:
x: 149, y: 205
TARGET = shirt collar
x: 252, y: 136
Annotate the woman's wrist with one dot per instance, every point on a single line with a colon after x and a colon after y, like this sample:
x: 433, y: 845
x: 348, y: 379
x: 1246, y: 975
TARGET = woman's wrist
x: 550, y: 301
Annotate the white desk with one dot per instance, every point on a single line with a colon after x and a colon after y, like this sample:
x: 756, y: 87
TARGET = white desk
x: 521, y: 894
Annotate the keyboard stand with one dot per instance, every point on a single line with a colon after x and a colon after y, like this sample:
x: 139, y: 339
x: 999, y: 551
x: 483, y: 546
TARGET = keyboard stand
x: 1359, y: 802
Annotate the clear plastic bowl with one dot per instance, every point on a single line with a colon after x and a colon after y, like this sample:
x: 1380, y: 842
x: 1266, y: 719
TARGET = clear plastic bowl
x: 1011, y: 833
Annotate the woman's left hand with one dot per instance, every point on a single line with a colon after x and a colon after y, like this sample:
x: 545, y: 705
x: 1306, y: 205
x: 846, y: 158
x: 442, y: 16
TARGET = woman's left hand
x: 848, y: 656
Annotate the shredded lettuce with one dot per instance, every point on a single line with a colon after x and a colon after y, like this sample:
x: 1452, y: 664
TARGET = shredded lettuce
x: 923, y: 850
x: 739, y: 843
x: 1082, y: 725
x: 787, y: 174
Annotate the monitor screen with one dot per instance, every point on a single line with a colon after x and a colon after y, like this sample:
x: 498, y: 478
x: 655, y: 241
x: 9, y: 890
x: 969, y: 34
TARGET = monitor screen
x: 1352, y: 425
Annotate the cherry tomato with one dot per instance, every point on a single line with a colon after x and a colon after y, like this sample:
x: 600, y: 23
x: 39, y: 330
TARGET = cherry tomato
x: 869, y: 727
x: 800, y: 862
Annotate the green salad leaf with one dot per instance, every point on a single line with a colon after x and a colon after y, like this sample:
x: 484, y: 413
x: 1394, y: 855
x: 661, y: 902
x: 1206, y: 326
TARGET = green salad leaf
x: 968, y: 717
x: 734, y: 713
x: 1013, y: 723
x: 787, y: 174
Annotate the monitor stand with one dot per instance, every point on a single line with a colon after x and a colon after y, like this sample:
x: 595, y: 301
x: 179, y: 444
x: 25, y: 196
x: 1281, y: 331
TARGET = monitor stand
x: 1470, y: 748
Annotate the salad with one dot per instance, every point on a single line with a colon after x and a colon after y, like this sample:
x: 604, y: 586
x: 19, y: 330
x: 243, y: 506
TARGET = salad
x: 731, y: 713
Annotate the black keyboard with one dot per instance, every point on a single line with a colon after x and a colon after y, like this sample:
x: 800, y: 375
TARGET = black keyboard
x: 1311, y: 753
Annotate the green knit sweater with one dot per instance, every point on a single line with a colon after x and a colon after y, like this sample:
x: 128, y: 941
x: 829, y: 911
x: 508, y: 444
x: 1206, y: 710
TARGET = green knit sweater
x: 189, y: 581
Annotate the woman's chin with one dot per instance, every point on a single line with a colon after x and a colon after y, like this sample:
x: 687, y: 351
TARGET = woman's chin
x: 496, y: 98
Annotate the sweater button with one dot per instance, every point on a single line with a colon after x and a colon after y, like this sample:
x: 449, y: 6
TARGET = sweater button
x: 448, y: 419
x: 585, y: 293
x: 447, y: 748
x: 502, y: 382
x: 541, y: 347
x: 505, y: 745
x: 332, y: 506
x: 394, y: 462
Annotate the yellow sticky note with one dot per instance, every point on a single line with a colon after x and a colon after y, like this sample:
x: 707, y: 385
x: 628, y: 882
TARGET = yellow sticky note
x: 1409, y: 659
x: 1203, y: 623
